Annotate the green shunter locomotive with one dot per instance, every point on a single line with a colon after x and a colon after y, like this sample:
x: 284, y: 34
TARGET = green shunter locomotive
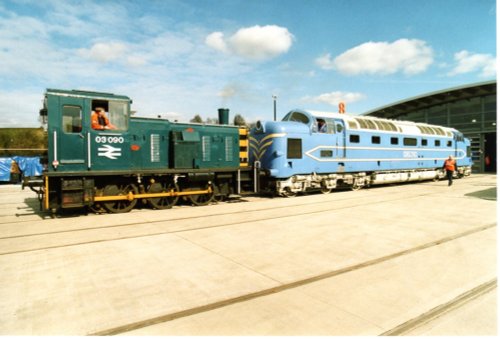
x: 152, y: 161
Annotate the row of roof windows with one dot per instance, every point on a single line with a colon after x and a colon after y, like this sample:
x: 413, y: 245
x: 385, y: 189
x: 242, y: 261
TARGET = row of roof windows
x: 371, y: 124
x: 382, y: 125
x: 433, y: 130
x: 374, y: 124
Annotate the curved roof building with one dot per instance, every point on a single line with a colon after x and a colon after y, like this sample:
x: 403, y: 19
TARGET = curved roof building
x: 471, y: 109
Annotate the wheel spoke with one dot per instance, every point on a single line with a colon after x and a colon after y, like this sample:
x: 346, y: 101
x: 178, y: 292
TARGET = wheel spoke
x: 162, y: 202
x: 119, y: 206
x: 203, y: 199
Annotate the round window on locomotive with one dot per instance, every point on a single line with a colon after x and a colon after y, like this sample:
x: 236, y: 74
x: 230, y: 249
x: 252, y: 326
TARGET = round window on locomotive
x: 259, y: 127
x: 339, y: 128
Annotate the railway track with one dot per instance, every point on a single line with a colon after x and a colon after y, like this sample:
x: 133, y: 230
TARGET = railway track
x: 399, y: 330
x: 438, y: 311
x: 192, y: 219
x: 310, y: 235
x: 210, y: 220
x: 296, y: 202
x: 12, y: 197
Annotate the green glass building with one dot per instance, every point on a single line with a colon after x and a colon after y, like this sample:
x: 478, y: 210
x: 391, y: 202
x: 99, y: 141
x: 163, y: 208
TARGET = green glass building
x: 471, y: 109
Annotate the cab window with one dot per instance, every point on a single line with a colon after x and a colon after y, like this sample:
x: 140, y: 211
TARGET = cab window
x: 115, y: 111
x: 118, y: 114
x: 324, y: 125
x: 71, y: 119
x: 296, y: 116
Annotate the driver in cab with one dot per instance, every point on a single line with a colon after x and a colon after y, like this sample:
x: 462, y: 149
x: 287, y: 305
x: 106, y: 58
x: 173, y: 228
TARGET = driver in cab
x: 99, y: 120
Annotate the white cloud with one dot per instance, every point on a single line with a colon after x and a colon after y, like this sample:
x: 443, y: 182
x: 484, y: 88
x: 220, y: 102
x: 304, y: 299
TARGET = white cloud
x: 334, y: 98
x: 468, y: 62
x: 238, y: 92
x: 104, y: 52
x: 157, y: 50
x: 216, y: 41
x: 403, y: 55
x: 261, y: 42
x: 136, y: 60
x: 256, y: 43
x: 325, y: 62
x: 228, y: 91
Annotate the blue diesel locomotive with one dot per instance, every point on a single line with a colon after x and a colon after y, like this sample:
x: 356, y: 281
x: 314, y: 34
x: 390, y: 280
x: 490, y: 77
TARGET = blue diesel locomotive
x: 310, y: 150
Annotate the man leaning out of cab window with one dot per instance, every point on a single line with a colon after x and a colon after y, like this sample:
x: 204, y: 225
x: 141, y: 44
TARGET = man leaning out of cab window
x: 100, y: 121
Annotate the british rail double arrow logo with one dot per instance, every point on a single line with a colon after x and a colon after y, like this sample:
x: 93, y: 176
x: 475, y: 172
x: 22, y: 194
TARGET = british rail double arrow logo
x: 109, y: 152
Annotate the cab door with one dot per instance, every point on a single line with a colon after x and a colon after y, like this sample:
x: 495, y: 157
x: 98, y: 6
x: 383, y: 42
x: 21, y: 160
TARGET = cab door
x: 109, y: 150
x: 69, y: 141
x: 340, y: 132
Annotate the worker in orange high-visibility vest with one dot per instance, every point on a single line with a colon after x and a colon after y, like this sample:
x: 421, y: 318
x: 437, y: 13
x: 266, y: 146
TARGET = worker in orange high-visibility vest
x: 100, y: 121
x: 450, y: 165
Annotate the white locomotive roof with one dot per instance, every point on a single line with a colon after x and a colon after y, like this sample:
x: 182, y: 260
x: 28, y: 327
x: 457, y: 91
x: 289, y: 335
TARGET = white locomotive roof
x: 374, y: 123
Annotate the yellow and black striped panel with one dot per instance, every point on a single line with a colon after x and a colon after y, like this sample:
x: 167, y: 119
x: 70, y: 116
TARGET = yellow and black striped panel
x: 243, y: 147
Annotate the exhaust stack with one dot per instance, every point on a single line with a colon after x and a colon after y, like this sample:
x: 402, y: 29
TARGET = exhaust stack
x: 223, y: 116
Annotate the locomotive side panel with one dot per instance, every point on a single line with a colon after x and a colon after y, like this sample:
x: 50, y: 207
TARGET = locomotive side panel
x: 149, y: 144
x: 204, y: 146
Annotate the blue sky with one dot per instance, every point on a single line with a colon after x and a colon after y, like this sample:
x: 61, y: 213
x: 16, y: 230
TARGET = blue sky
x: 181, y: 58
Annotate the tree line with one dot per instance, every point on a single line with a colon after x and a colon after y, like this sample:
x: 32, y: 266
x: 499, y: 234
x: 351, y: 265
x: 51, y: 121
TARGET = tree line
x: 237, y: 121
x: 22, y: 141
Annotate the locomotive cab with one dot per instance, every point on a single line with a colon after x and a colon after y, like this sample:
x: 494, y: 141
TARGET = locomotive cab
x: 78, y: 145
x: 284, y: 147
x: 74, y: 145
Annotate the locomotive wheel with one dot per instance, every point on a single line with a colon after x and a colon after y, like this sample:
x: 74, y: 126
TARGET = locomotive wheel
x: 119, y: 206
x: 288, y: 193
x: 202, y: 199
x: 356, y: 187
x: 97, y: 208
x: 163, y: 202
x: 218, y: 196
x: 325, y: 190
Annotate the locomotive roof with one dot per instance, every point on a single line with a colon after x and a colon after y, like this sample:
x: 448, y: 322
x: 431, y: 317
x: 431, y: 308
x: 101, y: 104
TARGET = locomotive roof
x: 374, y: 123
x: 87, y: 94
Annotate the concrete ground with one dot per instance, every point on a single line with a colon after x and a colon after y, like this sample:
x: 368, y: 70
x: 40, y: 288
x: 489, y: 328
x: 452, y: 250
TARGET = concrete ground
x: 416, y: 259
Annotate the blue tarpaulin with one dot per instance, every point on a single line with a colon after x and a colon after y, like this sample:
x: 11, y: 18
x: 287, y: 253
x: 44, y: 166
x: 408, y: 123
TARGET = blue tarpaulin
x: 29, y: 167
x: 5, y: 164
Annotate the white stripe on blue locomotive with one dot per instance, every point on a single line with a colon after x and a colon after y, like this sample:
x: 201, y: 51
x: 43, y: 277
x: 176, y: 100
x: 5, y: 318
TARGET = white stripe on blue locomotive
x: 409, y: 154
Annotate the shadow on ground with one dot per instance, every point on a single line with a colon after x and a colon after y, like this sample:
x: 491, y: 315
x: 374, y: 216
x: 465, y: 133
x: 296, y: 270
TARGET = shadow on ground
x: 487, y: 194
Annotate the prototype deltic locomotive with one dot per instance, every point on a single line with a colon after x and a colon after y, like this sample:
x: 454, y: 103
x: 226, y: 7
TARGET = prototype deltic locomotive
x: 351, y: 151
x: 157, y: 162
